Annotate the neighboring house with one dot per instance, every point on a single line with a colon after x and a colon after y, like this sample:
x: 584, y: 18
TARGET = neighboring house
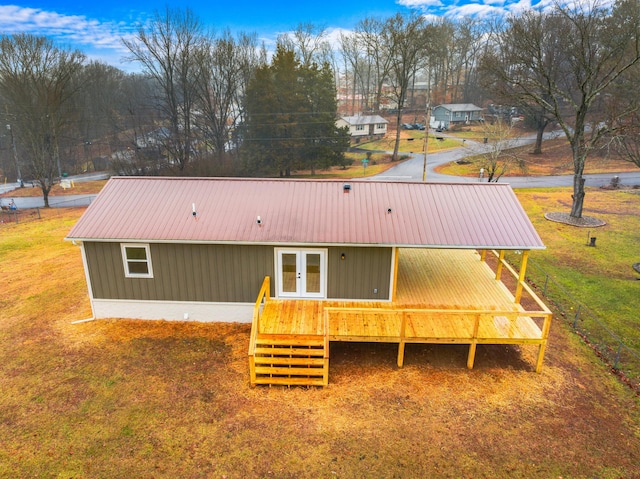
x: 364, y: 126
x: 154, y: 138
x: 444, y: 116
x: 305, y: 259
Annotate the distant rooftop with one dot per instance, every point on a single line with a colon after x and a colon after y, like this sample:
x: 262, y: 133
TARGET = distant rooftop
x: 461, y: 107
x: 364, y: 119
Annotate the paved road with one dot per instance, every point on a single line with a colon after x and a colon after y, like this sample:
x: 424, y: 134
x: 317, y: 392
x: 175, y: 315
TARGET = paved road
x: 412, y: 169
x: 54, y: 201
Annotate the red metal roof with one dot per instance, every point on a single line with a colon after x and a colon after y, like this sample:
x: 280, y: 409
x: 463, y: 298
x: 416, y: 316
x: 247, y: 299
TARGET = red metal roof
x: 308, y: 212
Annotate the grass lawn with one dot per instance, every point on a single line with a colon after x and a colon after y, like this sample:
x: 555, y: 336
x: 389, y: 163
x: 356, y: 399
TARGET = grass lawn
x: 411, y: 141
x: 152, y: 399
x: 556, y: 159
x: 81, y: 188
x: 601, y: 278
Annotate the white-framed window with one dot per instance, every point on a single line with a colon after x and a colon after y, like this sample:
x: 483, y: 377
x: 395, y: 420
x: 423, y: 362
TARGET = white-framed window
x: 359, y: 127
x: 137, y: 260
x: 381, y: 126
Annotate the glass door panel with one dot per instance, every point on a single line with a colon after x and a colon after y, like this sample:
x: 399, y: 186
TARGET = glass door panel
x: 313, y: 273
x: 289, y: 272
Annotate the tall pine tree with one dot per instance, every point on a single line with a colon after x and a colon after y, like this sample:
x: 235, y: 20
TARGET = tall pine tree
x: 290, y: 118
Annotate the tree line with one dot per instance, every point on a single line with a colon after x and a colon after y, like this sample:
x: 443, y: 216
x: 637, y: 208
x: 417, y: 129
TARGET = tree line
x: 207, y: 103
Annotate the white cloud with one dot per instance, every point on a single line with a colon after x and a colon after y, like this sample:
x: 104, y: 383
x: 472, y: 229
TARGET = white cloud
x: 75, y: 29
x: 479, y: 8
x: 420, y: 3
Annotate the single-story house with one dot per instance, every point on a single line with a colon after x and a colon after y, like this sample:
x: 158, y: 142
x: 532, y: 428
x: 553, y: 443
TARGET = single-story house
x: 364, y: 126
x: 312, y: 258
x: 443, y: 116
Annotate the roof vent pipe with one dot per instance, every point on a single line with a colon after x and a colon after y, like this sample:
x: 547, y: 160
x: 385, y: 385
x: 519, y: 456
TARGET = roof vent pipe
x: 346, y: 187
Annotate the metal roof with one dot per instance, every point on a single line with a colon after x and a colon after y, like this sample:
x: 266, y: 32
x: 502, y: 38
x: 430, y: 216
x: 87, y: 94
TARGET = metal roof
x: 460, y: 107
x: 307, y: 212
x: 363, y: 120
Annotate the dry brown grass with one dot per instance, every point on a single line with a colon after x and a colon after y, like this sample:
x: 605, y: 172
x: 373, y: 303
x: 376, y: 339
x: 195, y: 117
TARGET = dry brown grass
x: 556, y: 159
x: 82, y: 188
x: 117, y: 398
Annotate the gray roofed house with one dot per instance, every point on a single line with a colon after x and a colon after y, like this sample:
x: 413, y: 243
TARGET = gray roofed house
x: 443, y: 116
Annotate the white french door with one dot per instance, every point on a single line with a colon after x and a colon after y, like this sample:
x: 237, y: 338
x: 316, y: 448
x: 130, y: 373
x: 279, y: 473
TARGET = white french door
x: 301, y: 273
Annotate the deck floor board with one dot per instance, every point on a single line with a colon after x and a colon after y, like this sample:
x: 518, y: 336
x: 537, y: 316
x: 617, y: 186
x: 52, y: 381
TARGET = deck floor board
x: 439, y: 292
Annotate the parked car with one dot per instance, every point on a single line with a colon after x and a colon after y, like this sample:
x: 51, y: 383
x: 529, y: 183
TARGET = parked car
x: 407, y: 126
x: 418, y: 126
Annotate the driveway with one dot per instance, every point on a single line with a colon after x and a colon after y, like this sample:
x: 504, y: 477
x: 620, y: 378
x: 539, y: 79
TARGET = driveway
x: 412, y: 169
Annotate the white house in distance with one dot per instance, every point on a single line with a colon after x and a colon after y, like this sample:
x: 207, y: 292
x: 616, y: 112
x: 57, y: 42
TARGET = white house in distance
x: 364, y: 126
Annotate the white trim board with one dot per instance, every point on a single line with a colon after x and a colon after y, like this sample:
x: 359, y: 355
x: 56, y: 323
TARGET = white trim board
x: 173, y: 310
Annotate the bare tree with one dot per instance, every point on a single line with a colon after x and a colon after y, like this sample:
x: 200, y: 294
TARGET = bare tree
x: 499, y: 158
x: 168, y: 50
x: 565, y: 61
x: 37, y: 84
x: 354, y: 60
x: 100, y: 104
x: 369, y: 33
x: 225, y: 67
x: 308, y: 41
x: 405, y: 42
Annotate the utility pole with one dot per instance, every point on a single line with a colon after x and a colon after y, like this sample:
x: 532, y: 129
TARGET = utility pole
x: 15, y: 157
x: 427, y: 123
x: 426, y: 141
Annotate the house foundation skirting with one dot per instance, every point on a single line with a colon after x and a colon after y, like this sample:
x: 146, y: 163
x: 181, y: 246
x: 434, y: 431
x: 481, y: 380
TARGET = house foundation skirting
x: 173, y: 310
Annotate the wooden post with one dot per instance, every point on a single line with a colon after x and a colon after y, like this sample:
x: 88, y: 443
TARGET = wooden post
x: 401, y: 342
x: 474, y: 343
x: 483, y: 255
x: 325, y: 367
x: 396, y: 252
x: 523, y: 270
x: 499, y: 267
x: 543, y: 346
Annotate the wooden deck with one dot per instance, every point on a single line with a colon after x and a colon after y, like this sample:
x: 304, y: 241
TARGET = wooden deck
x: 442, y: 296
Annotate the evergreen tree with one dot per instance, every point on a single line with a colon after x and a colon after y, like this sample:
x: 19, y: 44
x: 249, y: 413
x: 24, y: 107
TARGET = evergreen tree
x: 290, y: 118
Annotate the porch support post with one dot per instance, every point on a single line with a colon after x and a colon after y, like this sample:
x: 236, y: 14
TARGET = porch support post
x: 543, y: 346
x: 541, y: 351
x: 523, y: 270
x: 483, y: 255
x: 474, y: 342
x: 401, y: 342
x: 396, y: 252
x: 499, y: 267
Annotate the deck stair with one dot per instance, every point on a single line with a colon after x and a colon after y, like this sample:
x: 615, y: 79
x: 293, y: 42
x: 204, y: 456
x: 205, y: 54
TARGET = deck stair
x: 290, y: 360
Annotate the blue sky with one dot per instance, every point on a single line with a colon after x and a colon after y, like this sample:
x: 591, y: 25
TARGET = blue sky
x: 96, y: 27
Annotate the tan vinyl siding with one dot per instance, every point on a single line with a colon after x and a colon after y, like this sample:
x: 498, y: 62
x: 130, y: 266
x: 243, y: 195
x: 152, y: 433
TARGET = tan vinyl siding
x: 182, y: 272
x: 362, y: 271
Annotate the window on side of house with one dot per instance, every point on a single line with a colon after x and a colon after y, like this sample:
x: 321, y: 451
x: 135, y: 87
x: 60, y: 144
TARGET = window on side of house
x: 381, y: 126
x: 137, y: 261
x: 359, y: 127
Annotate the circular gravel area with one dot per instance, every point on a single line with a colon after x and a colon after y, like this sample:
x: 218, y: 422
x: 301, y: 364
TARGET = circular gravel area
x: 566, y: 218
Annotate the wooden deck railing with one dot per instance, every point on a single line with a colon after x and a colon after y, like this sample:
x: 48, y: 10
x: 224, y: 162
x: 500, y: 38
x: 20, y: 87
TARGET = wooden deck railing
x: 521, y: 284
x: 443, y: 326
x: 263, y: 296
